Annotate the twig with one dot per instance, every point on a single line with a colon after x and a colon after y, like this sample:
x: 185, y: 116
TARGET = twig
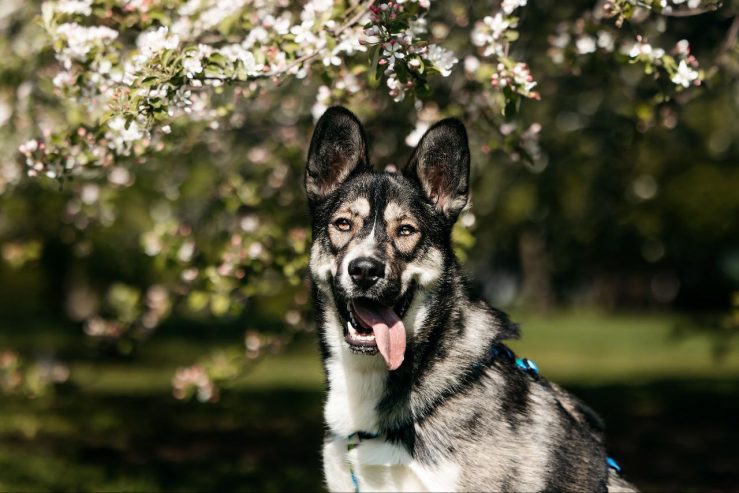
x: 691, y: 12
x: 669, y: 12
x: 729, y: 41
x: 726, y: 46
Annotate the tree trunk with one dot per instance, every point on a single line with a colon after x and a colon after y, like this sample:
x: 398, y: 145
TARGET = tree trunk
x: 536, y: 288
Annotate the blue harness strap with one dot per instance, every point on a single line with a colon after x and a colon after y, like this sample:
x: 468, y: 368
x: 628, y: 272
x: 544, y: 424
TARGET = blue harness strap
x: 612, y: 464
x: 503, y: 352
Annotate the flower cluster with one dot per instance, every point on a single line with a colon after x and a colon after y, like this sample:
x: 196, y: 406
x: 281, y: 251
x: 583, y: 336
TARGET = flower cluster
x: 134, y: 92
x: 624, y: 10
x: 493, y: 36
x: 515, y: 75
x: 680, y: 66
x: 194, y: 381
x: 399, y: 52
x: 205, y: 379
x: 582, y: 37
x: 34, y: 379
x: 586, y: 36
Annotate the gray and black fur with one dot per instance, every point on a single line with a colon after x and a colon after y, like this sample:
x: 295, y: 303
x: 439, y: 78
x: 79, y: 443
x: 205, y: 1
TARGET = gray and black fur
x: 454, y: 399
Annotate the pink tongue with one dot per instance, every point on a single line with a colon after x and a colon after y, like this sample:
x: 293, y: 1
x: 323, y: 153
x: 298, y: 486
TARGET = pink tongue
x: 389, y: 332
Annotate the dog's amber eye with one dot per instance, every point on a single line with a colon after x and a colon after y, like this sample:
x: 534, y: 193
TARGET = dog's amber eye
x: 406, y: 230
x: 343, y: 224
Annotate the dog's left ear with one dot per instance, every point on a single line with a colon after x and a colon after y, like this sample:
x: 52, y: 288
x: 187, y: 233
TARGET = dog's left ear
x: 441, y: 165
x: 338, y: 150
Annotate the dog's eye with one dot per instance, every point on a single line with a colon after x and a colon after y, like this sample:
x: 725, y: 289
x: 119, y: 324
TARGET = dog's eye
x: 343, y: 224
x: 406, y: 230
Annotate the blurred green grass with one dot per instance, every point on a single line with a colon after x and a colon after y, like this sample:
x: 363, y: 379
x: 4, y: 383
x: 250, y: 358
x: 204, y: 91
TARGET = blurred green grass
x: 669, y: 405
x: 589, y: 347
x: 580, y: 347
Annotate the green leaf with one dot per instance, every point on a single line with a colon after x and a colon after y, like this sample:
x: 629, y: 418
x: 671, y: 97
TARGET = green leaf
x: 218, y: 59
x: 373, y: 72
x: 402, y: 71
x: 512, y: 103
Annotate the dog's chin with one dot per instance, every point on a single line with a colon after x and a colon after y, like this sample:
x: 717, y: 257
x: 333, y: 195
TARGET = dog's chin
x: 359, y: 337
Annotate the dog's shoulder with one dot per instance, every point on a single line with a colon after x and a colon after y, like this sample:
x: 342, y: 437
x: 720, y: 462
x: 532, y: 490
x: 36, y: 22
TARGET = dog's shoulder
x: 579, y: 411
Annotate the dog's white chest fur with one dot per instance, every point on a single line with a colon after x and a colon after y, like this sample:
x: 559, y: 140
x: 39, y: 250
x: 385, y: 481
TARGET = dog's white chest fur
x: 381, y: 466
x: 356, y: 386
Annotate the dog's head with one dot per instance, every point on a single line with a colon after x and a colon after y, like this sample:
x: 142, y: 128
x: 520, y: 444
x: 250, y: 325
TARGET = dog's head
x: 380, y: 239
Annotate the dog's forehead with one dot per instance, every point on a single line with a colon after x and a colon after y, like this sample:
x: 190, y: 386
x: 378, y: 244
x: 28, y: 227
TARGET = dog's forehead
x: 390, y: 195
x: 356, y: 206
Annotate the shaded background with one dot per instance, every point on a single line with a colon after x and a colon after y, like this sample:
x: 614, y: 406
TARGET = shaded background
x: 615, y: 246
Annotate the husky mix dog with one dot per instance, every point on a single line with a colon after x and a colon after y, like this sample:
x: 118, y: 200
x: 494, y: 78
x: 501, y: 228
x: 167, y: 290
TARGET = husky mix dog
x: 422, y: 394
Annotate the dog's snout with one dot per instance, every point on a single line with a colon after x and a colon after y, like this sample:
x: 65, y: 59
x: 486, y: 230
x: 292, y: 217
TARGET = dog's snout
x: 365, y: 271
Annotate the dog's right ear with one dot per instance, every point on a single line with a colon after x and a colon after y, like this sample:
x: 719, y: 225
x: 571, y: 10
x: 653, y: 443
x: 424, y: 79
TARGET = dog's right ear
x: 338, y: 150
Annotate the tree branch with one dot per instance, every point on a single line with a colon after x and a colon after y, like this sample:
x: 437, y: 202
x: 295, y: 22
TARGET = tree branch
x: 729, y: 41
x: 692, y: 12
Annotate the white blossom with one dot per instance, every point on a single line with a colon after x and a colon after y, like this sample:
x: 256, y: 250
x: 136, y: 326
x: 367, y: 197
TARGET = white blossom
x: 442, y: 59
x: 63, y: 79
x: 220, y: 11
x: 323, y: 100
x: 152, y: 42
x: 397, y: 90
x: 121, y: 137
x: 80, y: 39
x: 509, y: 6
x: 522, y: 76
x: 684, y: 76
x: 393, y: 51
x: 70, y: 7
x: 497, y: 24
x: 605, y: 41
x: 683, y: 47
x: 471, y: 63
x: 642, y: 48
x: 29, y: 146
x: 192, y: 66
x: 413, y: 138
x: 585, y: 45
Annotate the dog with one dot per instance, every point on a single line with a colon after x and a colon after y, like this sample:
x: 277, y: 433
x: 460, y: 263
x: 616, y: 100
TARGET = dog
x: 422, y: 393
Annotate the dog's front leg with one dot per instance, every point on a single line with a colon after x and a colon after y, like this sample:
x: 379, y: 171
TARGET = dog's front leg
x: 336, y: 469
x: 377, y: 452
x: 372, y: 465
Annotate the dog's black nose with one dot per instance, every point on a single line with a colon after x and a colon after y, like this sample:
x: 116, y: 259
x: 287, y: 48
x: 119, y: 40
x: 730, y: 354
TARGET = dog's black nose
x: 365, y: 271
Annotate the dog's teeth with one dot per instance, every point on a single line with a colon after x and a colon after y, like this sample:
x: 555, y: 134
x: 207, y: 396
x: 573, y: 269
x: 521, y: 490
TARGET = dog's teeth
x: 352, y: 331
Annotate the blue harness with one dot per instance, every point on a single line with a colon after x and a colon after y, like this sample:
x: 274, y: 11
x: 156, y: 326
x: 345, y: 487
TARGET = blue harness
x: 499, y: 351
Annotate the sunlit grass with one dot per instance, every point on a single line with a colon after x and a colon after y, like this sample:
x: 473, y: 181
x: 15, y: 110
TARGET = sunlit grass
x: 588, y: 347
x: 592, y: 347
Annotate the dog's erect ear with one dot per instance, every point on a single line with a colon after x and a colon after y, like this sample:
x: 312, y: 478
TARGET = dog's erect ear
x: 338, y: 150
x: 441, y: 165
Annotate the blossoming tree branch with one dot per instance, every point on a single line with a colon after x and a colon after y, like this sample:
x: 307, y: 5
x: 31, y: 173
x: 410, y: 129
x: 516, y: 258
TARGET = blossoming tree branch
x: 140, y: 66
x: 114, y: 95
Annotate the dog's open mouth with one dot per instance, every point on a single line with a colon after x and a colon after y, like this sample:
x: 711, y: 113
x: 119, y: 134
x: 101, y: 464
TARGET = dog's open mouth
x: 372, y: 327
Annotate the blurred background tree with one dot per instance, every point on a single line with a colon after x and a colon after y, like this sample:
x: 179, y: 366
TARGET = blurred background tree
x: 153, y: 152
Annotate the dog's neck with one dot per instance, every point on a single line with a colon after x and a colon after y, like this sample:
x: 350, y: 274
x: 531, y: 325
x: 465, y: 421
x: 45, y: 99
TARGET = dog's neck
x: 364, y: 396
